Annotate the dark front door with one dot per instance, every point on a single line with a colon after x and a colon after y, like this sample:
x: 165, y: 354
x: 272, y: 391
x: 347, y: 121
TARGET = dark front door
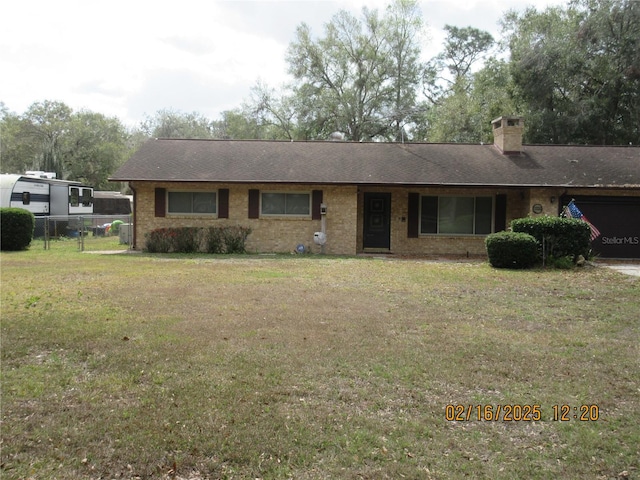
x: 377, y: 220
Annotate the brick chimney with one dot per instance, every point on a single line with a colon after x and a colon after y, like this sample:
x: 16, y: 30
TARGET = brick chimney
x: 507, y: 134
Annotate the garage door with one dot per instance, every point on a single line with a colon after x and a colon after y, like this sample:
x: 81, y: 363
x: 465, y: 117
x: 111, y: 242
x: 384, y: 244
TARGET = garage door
x: 617, y: 218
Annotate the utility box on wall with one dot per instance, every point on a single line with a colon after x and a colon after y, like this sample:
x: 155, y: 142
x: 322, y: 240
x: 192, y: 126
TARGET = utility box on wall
x: 319, y: 238
x: 126, y: 233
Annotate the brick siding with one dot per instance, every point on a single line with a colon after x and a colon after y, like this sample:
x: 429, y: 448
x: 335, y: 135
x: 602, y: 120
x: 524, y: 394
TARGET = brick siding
x: 269, y: 234
x: 344, y: 219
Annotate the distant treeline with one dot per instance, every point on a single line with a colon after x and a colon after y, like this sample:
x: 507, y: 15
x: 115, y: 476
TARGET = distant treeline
x: 573, y: 72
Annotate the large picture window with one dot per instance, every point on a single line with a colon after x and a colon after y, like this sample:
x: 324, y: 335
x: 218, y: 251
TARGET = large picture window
x: 274, y: 203
x: 203, y: 203
x: 449, y: 215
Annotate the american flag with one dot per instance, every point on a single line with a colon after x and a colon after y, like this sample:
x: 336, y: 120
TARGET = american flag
x: 575, y: 212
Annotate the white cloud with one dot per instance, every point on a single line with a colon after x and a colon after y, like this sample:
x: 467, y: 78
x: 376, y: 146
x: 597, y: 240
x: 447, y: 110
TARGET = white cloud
x: 125, y: 59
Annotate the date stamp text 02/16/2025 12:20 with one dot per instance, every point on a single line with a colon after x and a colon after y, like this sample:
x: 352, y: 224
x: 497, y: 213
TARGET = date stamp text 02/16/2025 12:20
x: 520, y: 413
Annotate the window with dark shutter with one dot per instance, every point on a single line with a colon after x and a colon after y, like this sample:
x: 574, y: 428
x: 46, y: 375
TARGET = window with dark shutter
x: 455, y: 215
x: 316, y: 202
x: 223, y: 203
x: 191, y: 203
x: 160, y: 201
x: 413, y: 215
x: 297, y: 204
x: 500, y: 222
x: 254, y: 203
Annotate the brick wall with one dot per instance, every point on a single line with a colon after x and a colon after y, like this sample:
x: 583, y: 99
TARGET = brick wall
x: 344, y: 219
x: 540, y: 201
x: 282, y: 234
x: 437, y: 244
x: 269, y: 234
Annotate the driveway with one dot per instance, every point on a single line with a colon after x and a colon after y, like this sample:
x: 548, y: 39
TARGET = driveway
x: 627, y: 268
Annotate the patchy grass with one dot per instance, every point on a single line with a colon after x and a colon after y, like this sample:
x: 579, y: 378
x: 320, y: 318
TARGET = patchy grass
x: 68, y: 245
x: 121, y: 366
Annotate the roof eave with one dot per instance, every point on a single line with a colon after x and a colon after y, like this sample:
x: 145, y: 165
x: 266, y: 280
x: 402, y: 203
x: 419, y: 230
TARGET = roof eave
x: 377, y: 183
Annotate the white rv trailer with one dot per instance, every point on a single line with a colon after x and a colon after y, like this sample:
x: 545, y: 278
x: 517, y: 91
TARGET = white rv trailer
x: 42, y: 195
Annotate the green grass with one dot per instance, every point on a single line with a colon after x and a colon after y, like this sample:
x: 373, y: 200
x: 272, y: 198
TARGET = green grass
x: 310, y: 367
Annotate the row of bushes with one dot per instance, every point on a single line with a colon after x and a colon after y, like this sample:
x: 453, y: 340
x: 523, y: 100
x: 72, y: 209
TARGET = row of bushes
x: 531, y: 240
x: 228, y: 239
x: 16, y: 227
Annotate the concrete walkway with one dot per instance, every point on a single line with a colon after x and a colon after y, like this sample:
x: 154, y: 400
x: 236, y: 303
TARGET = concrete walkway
x: 110, y: 252
x: 629, y: 269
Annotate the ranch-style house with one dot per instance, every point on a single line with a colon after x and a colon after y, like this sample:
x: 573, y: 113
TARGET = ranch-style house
x: 396, y: 198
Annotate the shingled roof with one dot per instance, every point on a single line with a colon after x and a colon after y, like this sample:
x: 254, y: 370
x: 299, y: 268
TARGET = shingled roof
x: 257, y: 161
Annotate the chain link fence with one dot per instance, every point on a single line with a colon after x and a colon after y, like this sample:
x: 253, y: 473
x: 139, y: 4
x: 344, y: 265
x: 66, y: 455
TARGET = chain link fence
x: 89, y: 231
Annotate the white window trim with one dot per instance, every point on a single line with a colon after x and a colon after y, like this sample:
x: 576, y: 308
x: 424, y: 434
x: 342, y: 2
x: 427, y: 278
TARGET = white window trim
x: 190, y: 214
x: 438, y: 234
x: 287, y: 215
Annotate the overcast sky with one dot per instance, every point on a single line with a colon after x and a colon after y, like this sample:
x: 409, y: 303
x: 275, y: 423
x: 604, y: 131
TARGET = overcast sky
x: 132, y: 58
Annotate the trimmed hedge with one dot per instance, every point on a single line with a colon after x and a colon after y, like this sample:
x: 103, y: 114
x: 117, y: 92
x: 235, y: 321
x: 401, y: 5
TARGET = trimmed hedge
x: 512, y: 250
x: 229, y: 239
x: 16, y: 227
x: 563, y: 237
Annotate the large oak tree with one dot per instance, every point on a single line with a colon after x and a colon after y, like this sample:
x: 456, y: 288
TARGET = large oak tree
x: 577, y: 71
x: 361, y: 77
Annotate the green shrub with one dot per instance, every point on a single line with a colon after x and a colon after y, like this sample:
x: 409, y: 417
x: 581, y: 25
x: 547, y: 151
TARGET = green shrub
x: 561, y: 237
x: 214, y: 242
x: 561, y: 263
x: 229, y: 239
x: 512, y: 250
x: 159, y: 240
x: 186, y: 240
x: 235, y: 239
x: 16, y: 227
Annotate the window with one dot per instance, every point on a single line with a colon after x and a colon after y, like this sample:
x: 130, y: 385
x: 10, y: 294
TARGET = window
x: 298, y: 204
x: 74, y: 197
x: 456, y: 215
x: 201, y: 203
x: 86, y: 197
x: 26, y: 198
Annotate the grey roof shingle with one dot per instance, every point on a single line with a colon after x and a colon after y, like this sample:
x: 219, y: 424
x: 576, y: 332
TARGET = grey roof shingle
x: 255, y: 161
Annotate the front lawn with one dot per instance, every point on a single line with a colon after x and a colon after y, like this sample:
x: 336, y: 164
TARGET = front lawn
x: 310, y: 367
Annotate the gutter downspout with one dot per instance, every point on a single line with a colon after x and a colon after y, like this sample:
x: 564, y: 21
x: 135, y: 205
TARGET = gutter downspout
x: 135, y: 207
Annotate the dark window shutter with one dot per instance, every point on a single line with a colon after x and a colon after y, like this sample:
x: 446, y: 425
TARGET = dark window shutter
x: 223, y: 203
x: 316, y: 201
x: 413, y: 215
x: 161, y: 202
x: 254, y: 203
x: 500, y: 221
